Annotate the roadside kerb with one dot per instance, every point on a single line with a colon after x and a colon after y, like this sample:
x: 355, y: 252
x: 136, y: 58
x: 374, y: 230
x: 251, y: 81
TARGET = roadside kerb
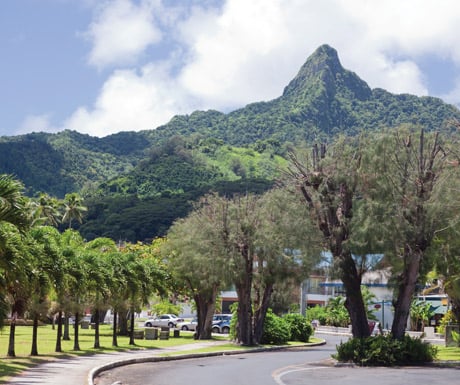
x: 140, y: 360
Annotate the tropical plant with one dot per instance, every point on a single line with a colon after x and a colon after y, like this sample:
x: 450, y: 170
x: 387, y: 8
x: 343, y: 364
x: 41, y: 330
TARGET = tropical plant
x: 73, y: 209
x: 420, y: 314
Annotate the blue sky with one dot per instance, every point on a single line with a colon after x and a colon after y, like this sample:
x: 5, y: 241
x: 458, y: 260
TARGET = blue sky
x: 104, y: 66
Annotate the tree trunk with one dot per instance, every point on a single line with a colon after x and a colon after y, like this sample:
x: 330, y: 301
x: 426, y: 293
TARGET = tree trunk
x: 114, y: 331
x: 354, y: 302
x: 97, y: 343
x: 123, y: 321
x: 66, y: 336
x: 206, y: 307
x: 456, y: 307
x: 406, y: 290
x: 260, y: 314
x: 34, y: 349
x: 245, y: 315
x: 11, y: 342
x: 76, y: 342
x: 58, y: 348
x: 131, y: 328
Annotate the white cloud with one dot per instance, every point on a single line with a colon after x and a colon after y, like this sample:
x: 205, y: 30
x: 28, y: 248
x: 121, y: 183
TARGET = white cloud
x: 453, y: 96
x: 251, y: 50
x: 36, y: 123
x: 121, y: 32
x: 130, y: 100
x: 247, y: 51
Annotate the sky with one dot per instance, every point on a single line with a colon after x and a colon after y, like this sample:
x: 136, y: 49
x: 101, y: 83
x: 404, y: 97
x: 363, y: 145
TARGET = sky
x: 104, y: 66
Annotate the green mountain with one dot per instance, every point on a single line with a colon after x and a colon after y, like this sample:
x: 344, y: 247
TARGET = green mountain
x: 137, y: 183
x: 324, y: 99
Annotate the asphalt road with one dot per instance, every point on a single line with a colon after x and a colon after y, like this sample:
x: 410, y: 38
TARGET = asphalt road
x: 288, y: 367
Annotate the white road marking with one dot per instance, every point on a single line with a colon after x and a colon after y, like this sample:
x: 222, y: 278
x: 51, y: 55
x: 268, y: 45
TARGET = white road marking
x: 277, y: 374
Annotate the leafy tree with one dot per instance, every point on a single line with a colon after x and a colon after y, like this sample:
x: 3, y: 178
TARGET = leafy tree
x: 196, y: 241
x: 286, y: 248
x: 255, y: 242
x: 410, y: 175
x: 328, y: 183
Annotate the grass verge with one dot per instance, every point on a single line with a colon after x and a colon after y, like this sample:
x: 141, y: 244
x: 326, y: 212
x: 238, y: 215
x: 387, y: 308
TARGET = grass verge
x: 448, y: 354
x: 12, y: 366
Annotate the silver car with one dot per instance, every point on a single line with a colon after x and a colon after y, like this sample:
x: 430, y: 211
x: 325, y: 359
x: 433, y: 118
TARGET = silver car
x: 169, y: 320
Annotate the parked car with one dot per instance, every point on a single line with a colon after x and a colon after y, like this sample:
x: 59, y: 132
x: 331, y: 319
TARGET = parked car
x: 188, y: 325
x: 170, y: 320
x: 222, y: 327
x: 217, y: 318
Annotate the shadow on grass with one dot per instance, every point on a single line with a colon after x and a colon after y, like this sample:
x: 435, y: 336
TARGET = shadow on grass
x: 13, y: 366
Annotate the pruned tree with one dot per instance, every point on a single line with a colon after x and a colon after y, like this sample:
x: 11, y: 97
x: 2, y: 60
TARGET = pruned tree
x: 412, y: 169
x: 328, y: 181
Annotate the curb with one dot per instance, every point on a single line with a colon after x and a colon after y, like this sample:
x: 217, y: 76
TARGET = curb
x: 129, y: 361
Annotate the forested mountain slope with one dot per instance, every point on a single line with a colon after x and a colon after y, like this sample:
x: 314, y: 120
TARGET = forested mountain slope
x: 324, y: 99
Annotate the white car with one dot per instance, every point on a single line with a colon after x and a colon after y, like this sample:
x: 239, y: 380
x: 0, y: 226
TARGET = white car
x: 170, y: 320
x: 188, y: 325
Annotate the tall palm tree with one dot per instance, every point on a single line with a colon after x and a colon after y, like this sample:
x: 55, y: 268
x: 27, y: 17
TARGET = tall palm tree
x: 13, y: 225
x: 73, y: 209
x: 45, y: 210
x: 98, y: 277
x: 75, y: 280
x: 47, y: 273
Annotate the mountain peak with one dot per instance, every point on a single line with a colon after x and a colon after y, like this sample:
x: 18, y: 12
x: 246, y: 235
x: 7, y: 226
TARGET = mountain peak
x: 324, y: 70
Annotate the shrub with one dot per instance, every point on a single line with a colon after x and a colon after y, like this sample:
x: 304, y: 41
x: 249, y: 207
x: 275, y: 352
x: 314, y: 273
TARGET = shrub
x: 317, y: 313
x: 446, y: 319
x: 276, y: 330
x: 300, y: 328
x: 385, y: 351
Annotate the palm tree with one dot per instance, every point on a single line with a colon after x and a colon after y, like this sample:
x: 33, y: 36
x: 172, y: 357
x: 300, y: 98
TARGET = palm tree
x: 13, y: 225
x: 45, y: 210
x: 73, y: 209
x: 15, y: 271
x: 98, y: 277
x: 75, y: 285
x: 47, y: 273
x: 13, y: 203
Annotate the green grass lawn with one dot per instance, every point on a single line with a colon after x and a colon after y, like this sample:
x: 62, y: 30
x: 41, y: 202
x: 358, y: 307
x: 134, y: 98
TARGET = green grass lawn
x: 448, y: 354
x: 10, y: 366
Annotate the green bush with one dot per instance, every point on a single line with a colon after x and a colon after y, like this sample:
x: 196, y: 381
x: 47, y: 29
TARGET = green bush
x: 446, y: 319
x: 385, y: 351
x: 317, y: 313
x: 276, y: 330
x: 300, y: 328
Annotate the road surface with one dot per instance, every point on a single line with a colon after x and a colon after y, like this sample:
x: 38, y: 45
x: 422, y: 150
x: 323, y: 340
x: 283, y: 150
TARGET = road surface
x: 304, y: 366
